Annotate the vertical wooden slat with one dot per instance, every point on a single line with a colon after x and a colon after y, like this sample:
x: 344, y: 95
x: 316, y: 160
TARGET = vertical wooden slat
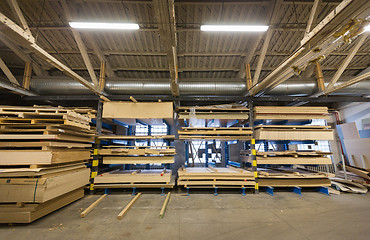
x: 27, y: 75
x: 320, y: 77
x: 102, y: 76
x: 248, y: 75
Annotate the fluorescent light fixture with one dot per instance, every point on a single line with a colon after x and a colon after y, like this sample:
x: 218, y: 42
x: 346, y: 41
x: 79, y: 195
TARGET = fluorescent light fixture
x: 234, y: 28
x: 367, y: 28
x: 99, y: 25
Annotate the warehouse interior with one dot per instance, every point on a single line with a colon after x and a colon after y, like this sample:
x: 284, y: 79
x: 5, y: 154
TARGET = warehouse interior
x: 184, y: 119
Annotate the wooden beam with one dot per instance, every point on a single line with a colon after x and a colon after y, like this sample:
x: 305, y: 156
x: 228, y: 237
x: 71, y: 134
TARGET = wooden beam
x: 266, y: 41
x: 27, y: 75
x: 163, y: 210
x: 100, y: 54
x: 164, y: 12
x: 81, y: 45
x: 248, y: 76
x: 16, y: 89
x: 133, y: 99
x: 347, y: 60
x: 319, y: 77
x: 26, y: 57
x: 19, y: 15
x: 102, y: 76
x: 22, y: 38
x: 125, y: 210
x: 348, y: 83
x: 8, y: 73
x: 92, y: 206
x: 313, y: 16
x: 249, y: 56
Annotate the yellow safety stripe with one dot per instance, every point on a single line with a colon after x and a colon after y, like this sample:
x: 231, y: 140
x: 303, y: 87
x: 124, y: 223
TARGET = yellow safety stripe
x: 255, y: 174
x: 253, y: 141
x: 95, y: 163
x: 254, y: 152
x: 93, y: 174
x: 96, y: 151
x: 256, y: 186
x: 92, y: 186
x: 254, y: 163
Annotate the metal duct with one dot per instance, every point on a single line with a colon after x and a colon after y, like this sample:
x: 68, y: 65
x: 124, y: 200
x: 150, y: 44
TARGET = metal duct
x: 211, y: 87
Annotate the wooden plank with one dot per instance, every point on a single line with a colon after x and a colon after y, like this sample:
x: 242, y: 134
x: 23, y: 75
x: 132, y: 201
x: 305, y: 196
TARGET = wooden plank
x: 44, y: 144
x: 319, y: 77
x: 140, y: 110
x: 125, y: 210
x: 139, y: 151
x: 137, y: 159
x: 8, y: 73
x: 92, y: 206
x: 216, y: 115
x: 29, y: 157
x: 123, y: 137
x: 27, y: 75
x: 127, y: 176
x: 298, y: 134
x: 163, y: 210
x: 358, y: 148
x: 242, y: 138
x: 289, y: 160
x: 10, y: 213
x: 323, y: 182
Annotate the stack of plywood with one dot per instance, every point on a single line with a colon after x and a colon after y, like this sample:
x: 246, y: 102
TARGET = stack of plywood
x: 118, y: 154
x: 43, y: 150
x: 220, y: 133
x: 137, y: 154
x: 215, y: 177
x: 290, y: 113
x: 289, y: 157
x: 284, y: 177
x: 293, y: 132
x: 214, y: 112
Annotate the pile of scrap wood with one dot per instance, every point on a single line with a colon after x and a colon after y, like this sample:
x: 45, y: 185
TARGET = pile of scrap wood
x: 288, y: 177
x: 293, y: 132
x: 220, y: 133
x: 42, y: 165
x: 219, y: 177
x: 290, y: 113
x: 288, y: 157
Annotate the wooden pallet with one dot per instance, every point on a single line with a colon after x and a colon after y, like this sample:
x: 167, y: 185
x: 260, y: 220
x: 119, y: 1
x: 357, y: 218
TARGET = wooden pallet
x: 134, y: 177
x: 44, y: 188
x: 12, y: 213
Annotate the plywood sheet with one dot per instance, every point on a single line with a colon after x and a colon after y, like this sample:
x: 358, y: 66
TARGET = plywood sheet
x: 140, y: 110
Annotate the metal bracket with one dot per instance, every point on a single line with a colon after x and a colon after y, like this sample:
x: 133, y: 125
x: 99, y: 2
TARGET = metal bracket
x: 324, y: 190
x: 215, y: 193
x: 297, y: 190
x: 188, y: 191
x: 162, y: 188
x: 243, y: 191
x: 270, y: 190
x: 107, y: 190
x: 133, y: 191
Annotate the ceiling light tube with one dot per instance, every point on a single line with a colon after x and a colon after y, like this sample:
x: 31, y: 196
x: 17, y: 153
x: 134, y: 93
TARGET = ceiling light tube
x: 234, y: 28
x: 100, y: 25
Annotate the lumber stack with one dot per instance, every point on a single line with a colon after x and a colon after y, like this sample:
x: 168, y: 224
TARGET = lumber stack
x: 270, y: 132
x: 220, y: 133
x: 288, y: 177
x: 42, y: 165
x: 289, y: 157
x: 220, y: 177
x: 290, y: 113
x: 119, y: 154
x: 293, y: 132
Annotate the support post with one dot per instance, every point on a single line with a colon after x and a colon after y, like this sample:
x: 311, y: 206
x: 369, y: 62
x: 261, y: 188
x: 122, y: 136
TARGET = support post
x: 27, y: 75
x: 320, y: 77
x: 253, y: 147
x: 248, y: 76
x: 102, y: 76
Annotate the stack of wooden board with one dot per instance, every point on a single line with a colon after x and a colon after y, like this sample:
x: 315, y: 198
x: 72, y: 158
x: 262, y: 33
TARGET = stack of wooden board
x: 220, y: 177
x: 116, y: 154
x: 42, y: 165
x: 290, y: 113
x: 293, y: 132
x: 220, y: 133
x: 155, y: 178
x: 289, y: 157
x: 288, y: 177
x: 214, y: 112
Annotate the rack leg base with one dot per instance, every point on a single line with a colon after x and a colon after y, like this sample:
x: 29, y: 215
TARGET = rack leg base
x: 162, y: 194
x: 297, y: 190
x: 324, y: 190
x: 188, y: 191
x: 270, y: 190
x: 215, y: 192
x: 133, y: 191
x: 243, y: 191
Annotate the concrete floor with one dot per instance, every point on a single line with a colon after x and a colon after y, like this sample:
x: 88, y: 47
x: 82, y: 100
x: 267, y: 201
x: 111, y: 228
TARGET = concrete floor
x: 204, y: 216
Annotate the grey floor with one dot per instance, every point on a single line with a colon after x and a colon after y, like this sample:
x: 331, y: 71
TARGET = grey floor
x: 204, y: 216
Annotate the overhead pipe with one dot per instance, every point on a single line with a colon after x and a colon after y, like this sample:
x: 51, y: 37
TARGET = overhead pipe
x: 188, y: 87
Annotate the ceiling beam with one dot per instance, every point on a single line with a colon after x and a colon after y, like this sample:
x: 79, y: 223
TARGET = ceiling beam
x: 164, y: 11
x: 274, y: 17
x: 248, y: 56
x: 348, y: 59
x: 21, y: 37
x: 354, y: 80
x: 313, y: 16
x: 81, y: 45
x: 16, y: 88
x: 321, y: 38
x: 108, y: 68
x: 26, y: 57
x: 8, y: 73
x: 19, y: 15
